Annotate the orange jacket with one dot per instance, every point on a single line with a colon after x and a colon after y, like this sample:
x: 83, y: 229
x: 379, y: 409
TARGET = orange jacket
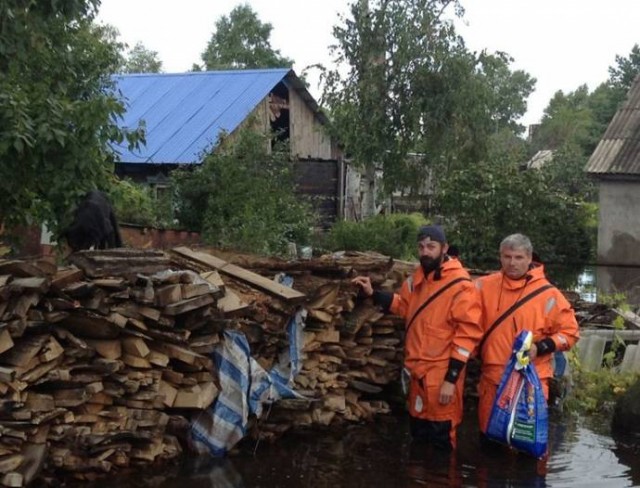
x: 548, y: 315
x: 447, y: 328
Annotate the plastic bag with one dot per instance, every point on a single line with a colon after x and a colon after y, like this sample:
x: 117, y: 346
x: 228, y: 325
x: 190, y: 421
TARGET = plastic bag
x: 519, y: 417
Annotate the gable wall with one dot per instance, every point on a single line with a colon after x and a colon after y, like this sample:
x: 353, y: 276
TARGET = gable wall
x: 619, y: 223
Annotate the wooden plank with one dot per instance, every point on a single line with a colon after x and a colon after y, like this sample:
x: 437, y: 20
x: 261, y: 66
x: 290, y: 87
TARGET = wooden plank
x: 168, y: 294
x: 34, y: 284
x: 50, y: 351
x: 158, y: 359
x: 24, y: 351
x: 109, y: 349
x: 200, y: 396
x: 135, y: 346
x: 135, y: 362
x: 254, y: 279
x: 122, y: 261
x: 214, y: 278
x: 6, y: 342
x: 192, y: 290
x: 90, y: 325
x: 188, y: 305
x: 231, y: 303
x: 180, y: 353
x: 168, y: 393
x: 7, y: 375
x: 65, y: 277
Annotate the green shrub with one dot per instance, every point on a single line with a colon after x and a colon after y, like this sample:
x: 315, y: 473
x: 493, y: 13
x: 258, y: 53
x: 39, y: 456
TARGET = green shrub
x: 243, y: 197
x: 132, y: 202
x: 393, y: 235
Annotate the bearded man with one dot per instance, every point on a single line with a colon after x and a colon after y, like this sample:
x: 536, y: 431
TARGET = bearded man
x: 442, y: 312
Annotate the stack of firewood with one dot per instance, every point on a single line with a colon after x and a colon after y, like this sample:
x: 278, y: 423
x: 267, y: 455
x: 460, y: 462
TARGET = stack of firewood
x: 94, y: 361
x: 97, y: 359
x: 351, y: 351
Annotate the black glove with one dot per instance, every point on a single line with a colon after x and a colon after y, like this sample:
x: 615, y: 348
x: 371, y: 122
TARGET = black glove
x: 545, y: 346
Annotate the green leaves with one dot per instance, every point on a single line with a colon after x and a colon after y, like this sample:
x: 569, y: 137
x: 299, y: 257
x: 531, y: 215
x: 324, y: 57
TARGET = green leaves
x: 142, y: 60
x: 243, y: 196
x: 241, y: 41
x: 406, y: 84
x: 57, y: 111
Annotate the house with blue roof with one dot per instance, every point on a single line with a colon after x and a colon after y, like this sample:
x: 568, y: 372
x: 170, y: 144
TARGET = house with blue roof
x: 185, y: 114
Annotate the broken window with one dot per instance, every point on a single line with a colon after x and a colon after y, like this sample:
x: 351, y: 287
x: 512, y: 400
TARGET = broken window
x: 279, y: 113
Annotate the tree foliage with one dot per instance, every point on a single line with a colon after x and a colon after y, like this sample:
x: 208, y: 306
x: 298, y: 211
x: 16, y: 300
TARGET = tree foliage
x: 490, y: 200
x: 142, y: 60
x: 242, y: 41
x: 573, y: 124
x: 243, y: 196
x: 392, y: 235
x: 57, y: 112
x: 405, y: 82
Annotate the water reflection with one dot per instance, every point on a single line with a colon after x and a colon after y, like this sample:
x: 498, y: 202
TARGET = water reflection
x: 382, y: 455
x: 591, y: 281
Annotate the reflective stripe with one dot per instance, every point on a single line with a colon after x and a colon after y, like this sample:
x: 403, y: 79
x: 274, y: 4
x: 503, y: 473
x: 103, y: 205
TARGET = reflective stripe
x: 478, y: 285
x: 551, y: 302
x: 463, y: 352
x: 410, y: 284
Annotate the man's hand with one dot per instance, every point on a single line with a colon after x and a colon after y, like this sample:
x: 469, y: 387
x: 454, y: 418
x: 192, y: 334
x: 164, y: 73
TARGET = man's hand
x: 364, y: 282
x: 446, y: 392
x: 533, y: 351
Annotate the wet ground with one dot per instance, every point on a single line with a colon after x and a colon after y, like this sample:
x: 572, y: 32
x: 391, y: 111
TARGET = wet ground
x: 583, y: 454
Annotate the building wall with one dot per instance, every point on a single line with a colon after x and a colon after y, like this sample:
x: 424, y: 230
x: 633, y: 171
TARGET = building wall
x: 309, y: 139
x: 619, y: 223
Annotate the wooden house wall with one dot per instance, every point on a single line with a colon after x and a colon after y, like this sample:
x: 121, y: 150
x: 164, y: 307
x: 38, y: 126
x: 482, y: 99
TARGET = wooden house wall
x: 309, y: 139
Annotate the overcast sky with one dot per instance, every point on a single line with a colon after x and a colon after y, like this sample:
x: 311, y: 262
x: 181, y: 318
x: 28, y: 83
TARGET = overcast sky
x: 562, y: 43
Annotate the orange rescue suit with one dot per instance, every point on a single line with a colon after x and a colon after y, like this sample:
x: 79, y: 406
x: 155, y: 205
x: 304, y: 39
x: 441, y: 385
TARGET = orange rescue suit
x: 447, y: 328
x: 548, y: 315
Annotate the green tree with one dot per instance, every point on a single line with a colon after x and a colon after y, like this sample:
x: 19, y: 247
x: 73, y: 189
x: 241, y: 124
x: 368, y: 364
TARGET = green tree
x: 243, y: 196
x: 490, y: 200
x: 142, y: 60
x: 568, y: 119
x: 242, y: 41
x: 626, y: 69
x: 57, y: 107
x: 405, y: 83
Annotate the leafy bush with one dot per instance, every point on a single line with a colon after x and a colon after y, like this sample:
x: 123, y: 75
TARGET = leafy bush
x: 132, y: 203
x: 595, y: 392
x: 488, y: 201
x: 243, y: 196
x: 393, y: 235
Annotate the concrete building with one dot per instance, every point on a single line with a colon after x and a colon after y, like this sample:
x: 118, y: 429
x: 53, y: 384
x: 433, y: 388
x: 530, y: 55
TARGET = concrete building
x: 615, y: 164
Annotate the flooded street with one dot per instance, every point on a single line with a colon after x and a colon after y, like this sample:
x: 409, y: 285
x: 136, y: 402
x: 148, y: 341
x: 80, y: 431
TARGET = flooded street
x: 583, y: 454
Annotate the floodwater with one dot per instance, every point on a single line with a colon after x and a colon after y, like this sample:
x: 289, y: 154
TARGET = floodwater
x: 582, y: 454
x: 594, y: 282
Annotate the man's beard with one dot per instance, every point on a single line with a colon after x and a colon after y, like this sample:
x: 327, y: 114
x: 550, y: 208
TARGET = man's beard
x: 430, y: 264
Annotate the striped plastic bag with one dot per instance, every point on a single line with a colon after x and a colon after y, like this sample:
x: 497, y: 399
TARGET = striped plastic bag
x: 519, y: 417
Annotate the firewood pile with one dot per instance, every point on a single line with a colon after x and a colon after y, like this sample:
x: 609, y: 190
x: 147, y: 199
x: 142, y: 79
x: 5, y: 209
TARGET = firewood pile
x: 351, y: 350
x: 94, y: 362
x: 99, y: 359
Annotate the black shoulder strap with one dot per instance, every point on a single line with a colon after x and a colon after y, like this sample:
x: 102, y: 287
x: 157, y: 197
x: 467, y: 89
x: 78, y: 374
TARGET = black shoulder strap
x: 512, y: 309
x: 432, y: 298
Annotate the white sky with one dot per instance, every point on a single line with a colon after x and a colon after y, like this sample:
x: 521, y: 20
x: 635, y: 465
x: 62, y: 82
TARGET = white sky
x: 562, y: 43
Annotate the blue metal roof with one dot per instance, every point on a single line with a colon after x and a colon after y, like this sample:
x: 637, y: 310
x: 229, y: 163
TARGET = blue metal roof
x: 185, y: 113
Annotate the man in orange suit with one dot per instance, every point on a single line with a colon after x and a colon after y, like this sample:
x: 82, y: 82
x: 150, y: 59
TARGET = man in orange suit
x: 516, y: 298
x: 442, y: 312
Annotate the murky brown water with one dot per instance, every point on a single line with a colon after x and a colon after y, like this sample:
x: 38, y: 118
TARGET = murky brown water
x: 583, y: 454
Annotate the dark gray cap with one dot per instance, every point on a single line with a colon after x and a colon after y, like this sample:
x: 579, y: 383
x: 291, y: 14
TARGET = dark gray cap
x: 434, y: 232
